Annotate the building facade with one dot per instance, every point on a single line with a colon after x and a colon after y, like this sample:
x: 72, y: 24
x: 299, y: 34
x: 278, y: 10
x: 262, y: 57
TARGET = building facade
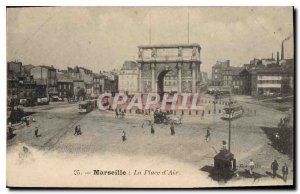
x: 266, y: 81
x: 65, y: 86
x: 238, y: 79
x: 79, y: 90
x: 128, y: 77
x: 98, y: 85
x: 45, y: 75
x: 217, y: 77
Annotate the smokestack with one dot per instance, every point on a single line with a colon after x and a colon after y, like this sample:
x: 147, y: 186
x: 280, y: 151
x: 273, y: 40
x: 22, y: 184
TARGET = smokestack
x: 272, y: 56
x: 277, y: 57
x: 282, y: 50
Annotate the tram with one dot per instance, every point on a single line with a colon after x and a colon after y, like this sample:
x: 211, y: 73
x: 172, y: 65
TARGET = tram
x: 86, y: 107
x: 236, y: 112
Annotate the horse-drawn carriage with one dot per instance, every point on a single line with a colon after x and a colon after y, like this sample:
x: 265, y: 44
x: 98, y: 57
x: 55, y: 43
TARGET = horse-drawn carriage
x: 166, y: 118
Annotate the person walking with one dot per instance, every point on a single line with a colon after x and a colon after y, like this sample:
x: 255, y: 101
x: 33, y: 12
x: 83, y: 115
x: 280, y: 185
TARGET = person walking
x: 251, y: 165
x: 152, y: 129
x: 123, y: 136
x: 274, y: 167
x: 76, y: 130
x: 285, y: 172
x: 36, y: 132
x: 172, y: 129
x: 207, y: 137
x: 79, y: 130
x: 117, y: 114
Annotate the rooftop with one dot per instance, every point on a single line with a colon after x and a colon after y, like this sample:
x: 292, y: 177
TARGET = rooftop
x: 47, y: 67
x: 267, y: 70
x: 129, y: 65
x: 234, y: 70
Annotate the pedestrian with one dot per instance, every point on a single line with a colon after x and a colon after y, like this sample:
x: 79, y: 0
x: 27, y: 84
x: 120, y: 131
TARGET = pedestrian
x: 251, y: 165
x: 172, y: 129
x: 79, y: 130
x: 285, y: 172
x: 152, y: 129
x: 123, y: 136
x: 207, y: 137
x: 254, y: 112
x: 224, y: 145
x: 274, y: 167
x: 117, y: 114
x: 76, y: 130
x: 36, y: 132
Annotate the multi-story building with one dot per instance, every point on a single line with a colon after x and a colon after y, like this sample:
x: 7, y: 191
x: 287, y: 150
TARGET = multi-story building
x: 20, y: 86
x: 46, y: 76
x: 266, y: 81
x: 238, y: 79
x: 98, y: 85
x: 65, y: 86
x: 111, y: 83
x: 79, y: 89
x: 12, y: 90
x: 217, y: 77
x: 81, y: 73
x: 128, y: 77
x: 14, y: 67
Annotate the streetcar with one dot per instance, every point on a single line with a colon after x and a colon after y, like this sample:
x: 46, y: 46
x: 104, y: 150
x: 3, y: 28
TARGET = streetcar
x: 86, y: 107
x: 236, y: 112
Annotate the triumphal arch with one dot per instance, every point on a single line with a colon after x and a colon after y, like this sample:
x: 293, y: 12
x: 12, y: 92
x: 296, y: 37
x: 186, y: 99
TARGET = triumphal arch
x: 165, y: 68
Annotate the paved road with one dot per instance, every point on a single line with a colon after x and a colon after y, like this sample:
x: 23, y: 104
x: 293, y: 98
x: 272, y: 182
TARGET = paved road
x: 102, y: 134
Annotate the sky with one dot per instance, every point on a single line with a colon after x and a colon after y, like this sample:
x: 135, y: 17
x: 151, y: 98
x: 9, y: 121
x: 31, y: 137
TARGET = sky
x: 102, y: 38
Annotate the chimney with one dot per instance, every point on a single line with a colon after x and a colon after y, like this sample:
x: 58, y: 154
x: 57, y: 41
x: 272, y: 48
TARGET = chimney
x: 277, y: 57
x: 282, y: 50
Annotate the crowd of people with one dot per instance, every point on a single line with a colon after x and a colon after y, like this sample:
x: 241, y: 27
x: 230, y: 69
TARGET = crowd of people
x: 274, y: 168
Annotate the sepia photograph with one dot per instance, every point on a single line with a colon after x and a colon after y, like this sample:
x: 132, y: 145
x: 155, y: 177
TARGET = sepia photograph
x: 150, y: 97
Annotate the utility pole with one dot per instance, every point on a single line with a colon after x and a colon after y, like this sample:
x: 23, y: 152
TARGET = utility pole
x: 229, y: 122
